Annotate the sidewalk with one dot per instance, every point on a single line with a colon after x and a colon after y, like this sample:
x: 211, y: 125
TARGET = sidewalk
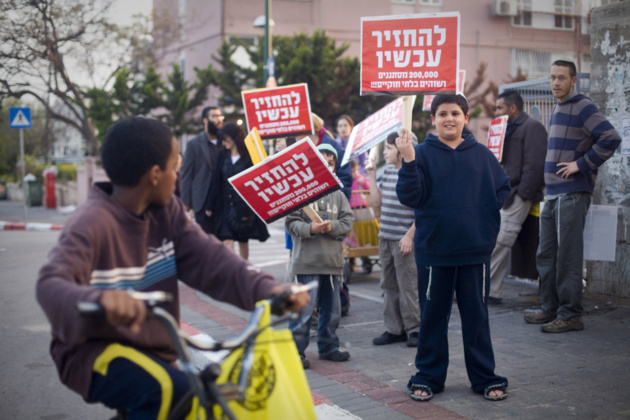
x: 579, y: 375
x: 12, y: 212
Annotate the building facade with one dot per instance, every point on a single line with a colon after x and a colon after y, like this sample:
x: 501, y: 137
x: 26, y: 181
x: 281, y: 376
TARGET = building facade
x: 507, y: 35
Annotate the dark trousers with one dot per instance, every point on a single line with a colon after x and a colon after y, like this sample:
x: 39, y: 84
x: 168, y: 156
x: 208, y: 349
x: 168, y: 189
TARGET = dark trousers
x: 206, y: 223
x: 436, y: 286
x: 560, y: 254
x: 128, y: 379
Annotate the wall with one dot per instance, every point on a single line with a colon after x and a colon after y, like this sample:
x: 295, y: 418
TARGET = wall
x: 610, y: 90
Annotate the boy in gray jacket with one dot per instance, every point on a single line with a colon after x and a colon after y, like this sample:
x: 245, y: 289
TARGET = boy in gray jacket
x: 317, y: 257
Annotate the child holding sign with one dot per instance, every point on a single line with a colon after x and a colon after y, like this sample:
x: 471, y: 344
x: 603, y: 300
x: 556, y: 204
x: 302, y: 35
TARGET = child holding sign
x: 457, y: 188
x: 317, y: 256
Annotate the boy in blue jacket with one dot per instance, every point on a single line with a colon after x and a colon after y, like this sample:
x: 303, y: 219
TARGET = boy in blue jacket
x: 457, y: 188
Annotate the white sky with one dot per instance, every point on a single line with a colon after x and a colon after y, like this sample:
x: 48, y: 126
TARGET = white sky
x: 122, y: 10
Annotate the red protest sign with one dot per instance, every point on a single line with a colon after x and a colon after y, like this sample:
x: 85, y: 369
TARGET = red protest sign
x: 496, y: 136
x: 278, y: 112
x: 426, y: 103
x: 286, y: 182
x: 375, y: 128
x: 410, y: 54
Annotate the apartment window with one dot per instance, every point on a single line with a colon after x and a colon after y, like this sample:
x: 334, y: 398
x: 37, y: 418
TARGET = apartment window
x: 524, y: 17
x: 536, y: 64
x: 564, y: 18
x: 403, y: 1
x: 431, y: 2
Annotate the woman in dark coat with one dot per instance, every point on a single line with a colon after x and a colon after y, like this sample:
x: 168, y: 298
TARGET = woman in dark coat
x: 236, y: 222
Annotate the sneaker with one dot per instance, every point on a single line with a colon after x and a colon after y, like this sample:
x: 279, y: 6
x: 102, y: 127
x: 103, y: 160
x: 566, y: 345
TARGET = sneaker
x: 538, y: 317
x: 336, y: 356
x: 564, y: 325
x: 387, y: 338
x: 305, y: 363
x: 412, y: 339
x: 494, y: 300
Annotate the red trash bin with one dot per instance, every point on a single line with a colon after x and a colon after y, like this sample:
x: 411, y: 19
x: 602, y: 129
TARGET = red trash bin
x: 51, y: 200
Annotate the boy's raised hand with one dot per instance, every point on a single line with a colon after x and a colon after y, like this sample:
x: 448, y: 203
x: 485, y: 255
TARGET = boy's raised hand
x: 404, y: 143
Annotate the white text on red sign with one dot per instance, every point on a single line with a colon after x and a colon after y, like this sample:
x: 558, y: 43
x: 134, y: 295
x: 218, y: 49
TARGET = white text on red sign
x: 409, y: 37
x: 279, y: 106
x: 276, y: 180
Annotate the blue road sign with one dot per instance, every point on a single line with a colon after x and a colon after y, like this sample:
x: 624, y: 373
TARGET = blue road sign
x: 19, y: 117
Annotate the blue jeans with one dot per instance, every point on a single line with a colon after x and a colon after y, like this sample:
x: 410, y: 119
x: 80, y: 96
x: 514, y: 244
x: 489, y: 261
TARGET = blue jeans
x: 326, y: 296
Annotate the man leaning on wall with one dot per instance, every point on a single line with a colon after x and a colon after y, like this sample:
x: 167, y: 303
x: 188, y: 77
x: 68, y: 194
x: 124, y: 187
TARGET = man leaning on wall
x: 580, y: 140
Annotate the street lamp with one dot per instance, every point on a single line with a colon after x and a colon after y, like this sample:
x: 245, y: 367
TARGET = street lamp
x: 265, y: 21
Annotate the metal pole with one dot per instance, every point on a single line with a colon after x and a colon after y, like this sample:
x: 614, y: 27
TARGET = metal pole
x: 23, y: 164
x: 266, y: 46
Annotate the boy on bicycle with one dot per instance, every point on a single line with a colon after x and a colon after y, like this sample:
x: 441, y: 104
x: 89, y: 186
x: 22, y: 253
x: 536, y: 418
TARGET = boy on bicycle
x: 132, y: 233
x: 317, y: 256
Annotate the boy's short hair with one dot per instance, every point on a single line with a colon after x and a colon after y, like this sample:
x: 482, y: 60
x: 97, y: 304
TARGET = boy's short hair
x: 449, y: 99
x: 566, y: 63
x: 512, y: 97
x: 391, y: 138
x: 132, y: 146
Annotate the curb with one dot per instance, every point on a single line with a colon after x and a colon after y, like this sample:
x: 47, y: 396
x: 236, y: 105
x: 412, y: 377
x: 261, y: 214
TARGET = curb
x: 29, y: 226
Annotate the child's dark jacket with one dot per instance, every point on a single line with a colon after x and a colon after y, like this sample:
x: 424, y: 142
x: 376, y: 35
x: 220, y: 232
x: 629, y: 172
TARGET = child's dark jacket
x: 457, y: 195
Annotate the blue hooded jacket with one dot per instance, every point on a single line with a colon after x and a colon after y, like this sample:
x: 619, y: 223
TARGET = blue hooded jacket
x: 457, y: 195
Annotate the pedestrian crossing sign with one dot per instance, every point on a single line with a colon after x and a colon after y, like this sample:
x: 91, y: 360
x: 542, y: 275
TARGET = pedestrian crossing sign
x: 19, y: 117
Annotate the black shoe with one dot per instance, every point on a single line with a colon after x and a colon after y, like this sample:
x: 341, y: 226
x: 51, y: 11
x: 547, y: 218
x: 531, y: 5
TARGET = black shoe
x: 494, y: 301
x: 336, y: 356
x: 388, y: 338
x: 305, y: 363
x: 412, y: 339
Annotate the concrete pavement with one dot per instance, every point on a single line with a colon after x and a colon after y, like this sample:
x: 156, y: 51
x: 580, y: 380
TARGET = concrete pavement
x: 580, y: 375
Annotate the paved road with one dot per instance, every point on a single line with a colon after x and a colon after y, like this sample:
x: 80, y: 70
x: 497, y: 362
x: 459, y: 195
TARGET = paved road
x: 578, y: 375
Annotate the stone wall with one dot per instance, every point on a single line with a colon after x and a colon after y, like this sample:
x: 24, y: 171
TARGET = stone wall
x: 610, y: 90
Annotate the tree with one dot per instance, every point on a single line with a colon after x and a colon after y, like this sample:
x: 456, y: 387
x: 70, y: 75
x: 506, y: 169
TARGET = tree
x: 147, y: 94
x: 332, y: 79
x: 181, y: 97
x: 130, y: 95
x: 49, y: 47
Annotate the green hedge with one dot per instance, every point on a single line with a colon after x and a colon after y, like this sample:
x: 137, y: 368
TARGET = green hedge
x: 67, y: 172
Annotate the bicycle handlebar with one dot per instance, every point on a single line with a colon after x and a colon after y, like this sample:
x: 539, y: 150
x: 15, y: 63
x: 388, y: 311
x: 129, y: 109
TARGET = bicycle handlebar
x: 278, y: 306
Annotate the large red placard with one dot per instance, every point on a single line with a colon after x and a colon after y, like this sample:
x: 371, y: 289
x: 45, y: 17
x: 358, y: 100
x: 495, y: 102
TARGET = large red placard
x: 410, y: 54
x: 286, y: 182
x: 278, y: 112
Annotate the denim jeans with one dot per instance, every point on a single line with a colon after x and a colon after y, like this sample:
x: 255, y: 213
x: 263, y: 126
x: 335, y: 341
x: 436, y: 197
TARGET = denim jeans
x: 326, y: 296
